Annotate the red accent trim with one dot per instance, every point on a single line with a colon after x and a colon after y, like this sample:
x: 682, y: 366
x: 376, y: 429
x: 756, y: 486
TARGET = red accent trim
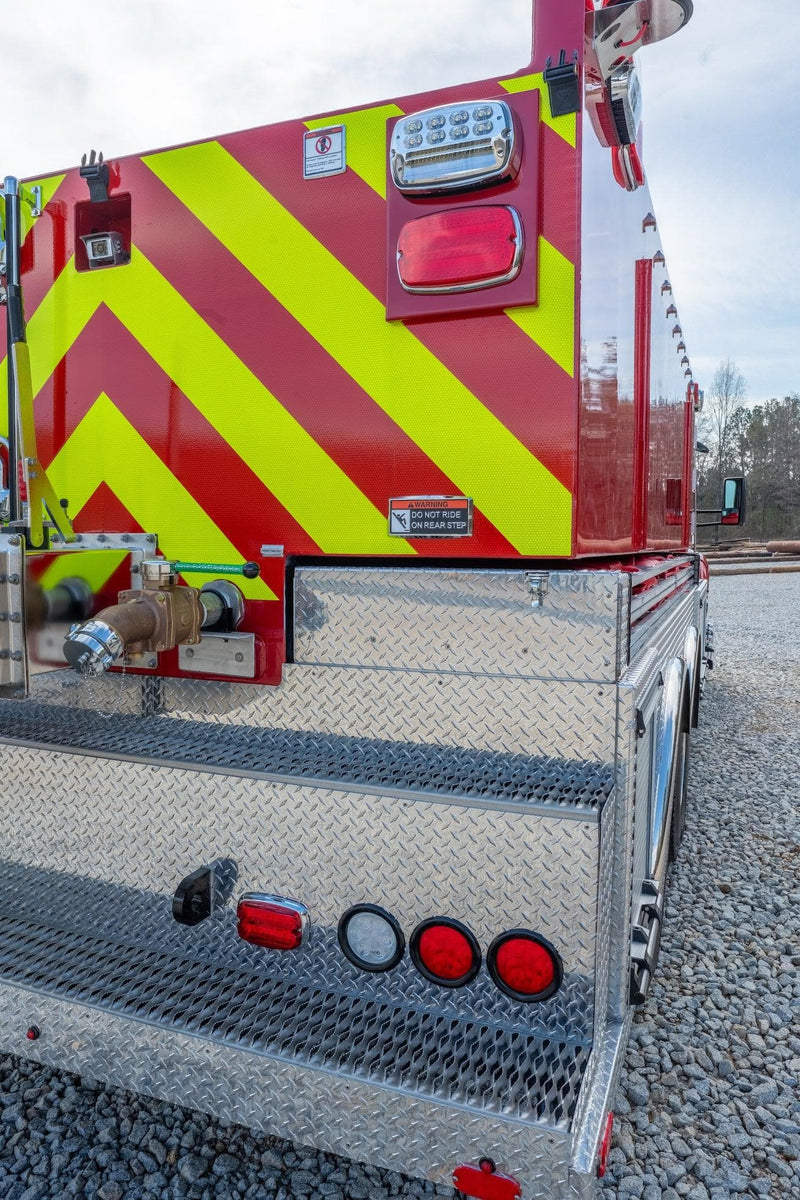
x: 641, y: 399
x: 485, y: 1185
x: 605, y: 1146
x: 687, y: 489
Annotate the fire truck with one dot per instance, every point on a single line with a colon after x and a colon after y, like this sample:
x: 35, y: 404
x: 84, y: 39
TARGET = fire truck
x: 351, y: 629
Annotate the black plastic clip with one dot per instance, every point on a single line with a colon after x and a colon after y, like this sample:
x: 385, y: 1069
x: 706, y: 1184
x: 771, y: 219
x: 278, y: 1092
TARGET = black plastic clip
x: 95, y: 172
x: 563, y: 85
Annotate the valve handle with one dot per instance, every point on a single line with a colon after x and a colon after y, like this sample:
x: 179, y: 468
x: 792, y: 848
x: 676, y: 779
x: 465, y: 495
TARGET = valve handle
x: 250, y: 570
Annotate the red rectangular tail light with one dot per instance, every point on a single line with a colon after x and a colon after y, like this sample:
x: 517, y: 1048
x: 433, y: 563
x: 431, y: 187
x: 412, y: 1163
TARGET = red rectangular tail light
x: 460, y: 249
x: 271, y: 921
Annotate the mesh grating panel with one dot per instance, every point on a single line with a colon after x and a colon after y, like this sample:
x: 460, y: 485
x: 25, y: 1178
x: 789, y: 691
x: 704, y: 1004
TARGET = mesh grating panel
x: 487, y: 1068
x: 282, y: 753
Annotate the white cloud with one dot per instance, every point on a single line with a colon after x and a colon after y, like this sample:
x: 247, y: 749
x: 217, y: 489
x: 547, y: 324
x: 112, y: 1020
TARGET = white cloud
x: 722, y: 124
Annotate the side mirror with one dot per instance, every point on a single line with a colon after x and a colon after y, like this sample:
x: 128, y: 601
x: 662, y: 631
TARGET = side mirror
x: 733, y: 501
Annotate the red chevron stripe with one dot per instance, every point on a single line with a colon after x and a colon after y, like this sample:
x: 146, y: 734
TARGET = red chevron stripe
x: 382, y: 460
x: 457, y: 342
x: 107, y: 358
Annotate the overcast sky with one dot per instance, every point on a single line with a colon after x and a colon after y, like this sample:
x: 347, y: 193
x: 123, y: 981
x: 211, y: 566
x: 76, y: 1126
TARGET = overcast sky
x: 721, y: 116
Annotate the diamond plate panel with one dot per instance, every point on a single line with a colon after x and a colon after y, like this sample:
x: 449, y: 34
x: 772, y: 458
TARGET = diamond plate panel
x: 521, y: 741
x: 308, y: 1105
x: 557, y: 624
x: 490, y: 868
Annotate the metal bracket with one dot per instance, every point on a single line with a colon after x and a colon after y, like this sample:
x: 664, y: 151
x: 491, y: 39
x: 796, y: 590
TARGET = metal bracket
x: 563, y: 84
x: 646, y: 940
x: 95, y: 172
x: 538, y: 585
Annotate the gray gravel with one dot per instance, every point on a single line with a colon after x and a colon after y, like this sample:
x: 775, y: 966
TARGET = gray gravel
x: 710, y: 1099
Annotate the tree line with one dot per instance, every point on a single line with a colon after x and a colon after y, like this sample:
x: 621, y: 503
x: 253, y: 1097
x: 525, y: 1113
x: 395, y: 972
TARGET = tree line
x: 762, y: 443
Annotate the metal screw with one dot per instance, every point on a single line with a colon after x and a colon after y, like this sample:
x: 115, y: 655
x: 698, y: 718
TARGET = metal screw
x: 126, y: 537
x: 136, y: 569
x: 190, y: 653
x: 239, y: 657
x: 13, y: 541
x: 101, y: 537
x: 161, y: 598
x: 15, y: 617
x: 13, y: 579
x: 150, y: 538
x: 17, y: 656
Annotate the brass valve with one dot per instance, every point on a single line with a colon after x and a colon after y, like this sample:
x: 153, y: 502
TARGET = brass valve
x: 160, y: 615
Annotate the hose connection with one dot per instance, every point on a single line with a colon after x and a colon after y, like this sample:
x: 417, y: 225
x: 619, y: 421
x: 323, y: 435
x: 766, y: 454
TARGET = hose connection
x: 159, y: 616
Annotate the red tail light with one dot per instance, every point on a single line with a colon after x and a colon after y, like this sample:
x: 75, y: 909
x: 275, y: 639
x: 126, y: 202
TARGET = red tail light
x: 271, y: 921
x: 524, y: 965
x: 460, y: 249
x: 445, y: 952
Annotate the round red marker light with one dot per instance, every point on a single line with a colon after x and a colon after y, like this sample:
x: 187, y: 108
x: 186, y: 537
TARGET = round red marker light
x: 524, y: 965
x: 445, y: 952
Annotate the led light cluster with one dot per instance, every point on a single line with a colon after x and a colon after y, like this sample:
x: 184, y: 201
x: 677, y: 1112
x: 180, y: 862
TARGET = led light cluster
x: 456, y: 146
x: 521, y: 964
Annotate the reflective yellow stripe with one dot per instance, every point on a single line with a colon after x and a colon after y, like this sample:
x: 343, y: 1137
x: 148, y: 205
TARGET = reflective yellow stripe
x: 365, y: 141
x: 105, y: 448
x: 314, y: 489
x: 94, y: 566
x: 551, y: 323
x: 482, y: 457
x: 565, y: 127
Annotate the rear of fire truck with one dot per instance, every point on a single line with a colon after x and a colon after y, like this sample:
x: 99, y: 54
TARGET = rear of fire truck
x: 351, y: 634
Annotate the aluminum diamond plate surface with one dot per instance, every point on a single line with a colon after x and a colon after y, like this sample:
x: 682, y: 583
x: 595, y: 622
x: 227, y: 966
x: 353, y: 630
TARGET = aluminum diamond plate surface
x: 492, y: 869
x: 310, y: 1106
x: 548, y: 624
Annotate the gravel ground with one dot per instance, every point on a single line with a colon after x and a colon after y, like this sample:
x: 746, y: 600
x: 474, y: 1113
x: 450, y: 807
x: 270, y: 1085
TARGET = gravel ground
x: 710, y: 1099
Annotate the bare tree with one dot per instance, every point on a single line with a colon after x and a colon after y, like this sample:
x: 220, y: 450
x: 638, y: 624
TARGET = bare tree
x: 724, y: 399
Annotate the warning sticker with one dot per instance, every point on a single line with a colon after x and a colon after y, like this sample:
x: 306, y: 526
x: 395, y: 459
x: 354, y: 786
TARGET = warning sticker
x: 323, y: 152
x: 430, y: 516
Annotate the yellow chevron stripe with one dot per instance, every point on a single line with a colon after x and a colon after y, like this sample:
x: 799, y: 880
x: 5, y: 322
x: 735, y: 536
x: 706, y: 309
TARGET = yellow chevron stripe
x: 49, y: 185
x: 365, y: 141
x: 94, y: 566
x: 482, y: 457
x: 314, y: 489
x: 565, y: 127
x: 551, y: 322
x: 105, y: 448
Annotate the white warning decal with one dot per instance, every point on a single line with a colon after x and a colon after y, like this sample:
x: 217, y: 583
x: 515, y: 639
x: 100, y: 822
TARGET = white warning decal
x: 430, y: 516
x: 324, y: 152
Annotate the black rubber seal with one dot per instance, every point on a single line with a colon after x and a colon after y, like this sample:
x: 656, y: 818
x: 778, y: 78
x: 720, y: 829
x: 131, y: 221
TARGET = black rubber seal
x: 362, y: 964
x: 413, y: 947
x: 525, y: 997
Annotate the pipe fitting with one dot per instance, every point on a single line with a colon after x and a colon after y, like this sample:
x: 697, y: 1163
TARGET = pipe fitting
x: 157, y: 617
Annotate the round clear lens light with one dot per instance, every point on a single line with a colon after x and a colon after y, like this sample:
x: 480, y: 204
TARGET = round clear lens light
x: 482, y: 127
x: 436, y: 122
x: 483, y: 113
x: 371, y: 938
x: 412, y: 126
x: 459, y: 131
x: 438, y: 135
x: 411, y: 143
x: 459, y: 118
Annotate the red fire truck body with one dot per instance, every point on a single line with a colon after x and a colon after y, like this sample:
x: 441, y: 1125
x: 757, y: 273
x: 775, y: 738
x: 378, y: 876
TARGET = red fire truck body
x: 375, y: 433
